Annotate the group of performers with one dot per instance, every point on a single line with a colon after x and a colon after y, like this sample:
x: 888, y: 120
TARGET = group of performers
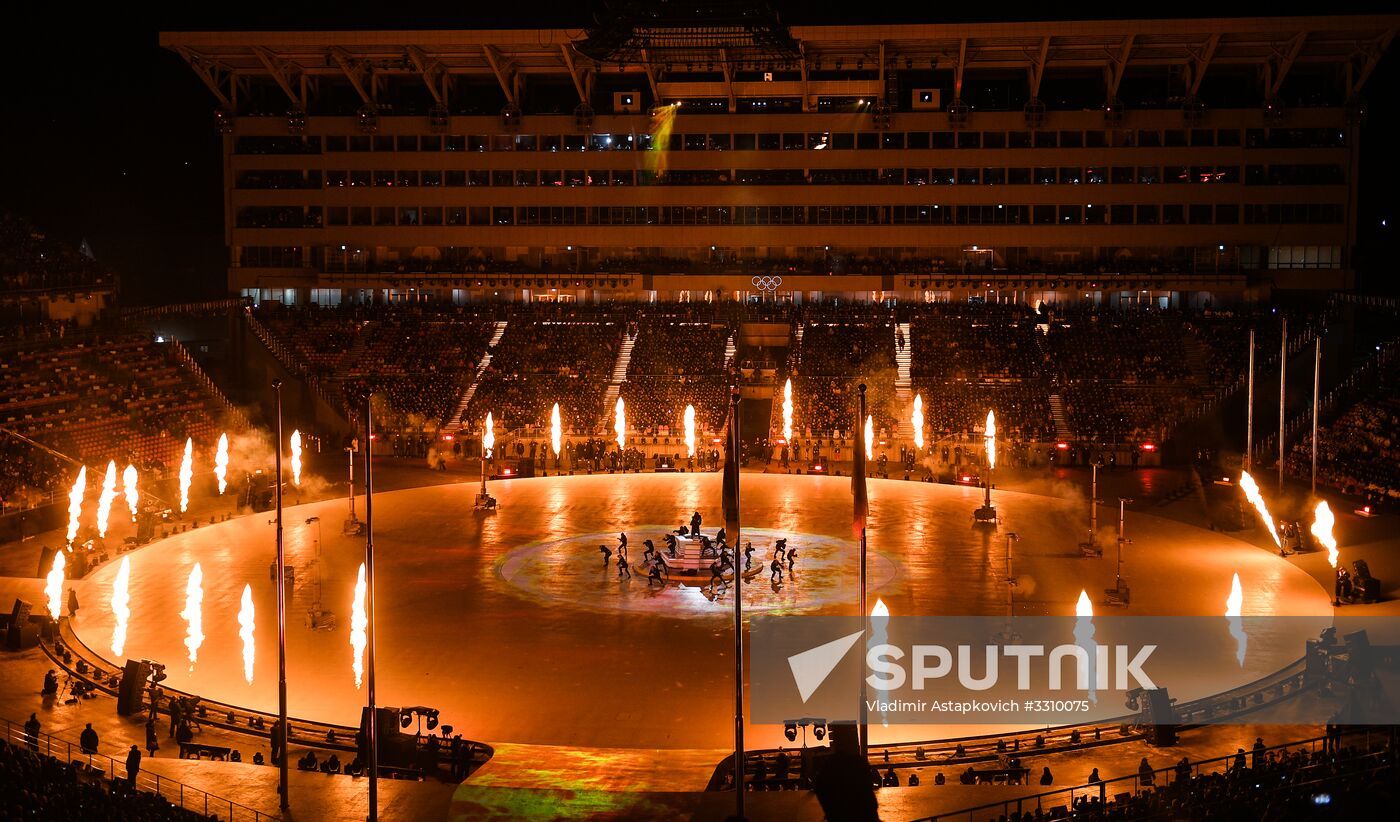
x: 717, y: 549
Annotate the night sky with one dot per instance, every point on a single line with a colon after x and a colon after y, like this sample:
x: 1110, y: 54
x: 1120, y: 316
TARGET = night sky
x: 107, y: 137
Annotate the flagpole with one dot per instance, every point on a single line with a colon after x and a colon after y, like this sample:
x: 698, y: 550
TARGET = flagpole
x: 732, y: 527
x: 372, y: 733
x: 861, y: 510
x: 281, y: 615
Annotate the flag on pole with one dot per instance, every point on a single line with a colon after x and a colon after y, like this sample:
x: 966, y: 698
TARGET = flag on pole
x: 862, y: 504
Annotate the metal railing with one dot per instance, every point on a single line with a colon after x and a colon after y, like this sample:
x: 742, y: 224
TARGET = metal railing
x: 292, y: 362
x: 1115, y: 788
x: 179, y: 794
x: 192, y: 365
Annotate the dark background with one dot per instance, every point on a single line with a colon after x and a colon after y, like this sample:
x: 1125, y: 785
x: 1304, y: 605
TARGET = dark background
x: 109, y: 138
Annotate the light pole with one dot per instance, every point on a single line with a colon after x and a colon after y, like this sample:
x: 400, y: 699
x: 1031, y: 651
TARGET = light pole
x: 1010, y: 579
x: 372, y: 732
x: 1122, y: 539
x: 350, y: 452
x: 281, y: 614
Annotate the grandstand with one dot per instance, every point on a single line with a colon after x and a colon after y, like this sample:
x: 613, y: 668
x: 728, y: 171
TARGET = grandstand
x: 925, y: 163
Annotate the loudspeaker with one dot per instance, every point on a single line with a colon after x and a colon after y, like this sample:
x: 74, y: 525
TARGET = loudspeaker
x: 1161, y: 716
x: 22, y: 636
x: 841, y: 779
x: 131, y: 693
x: 395, y: 748
x: 844, y: 738
x: 45, y: 561
x: 20, y: 613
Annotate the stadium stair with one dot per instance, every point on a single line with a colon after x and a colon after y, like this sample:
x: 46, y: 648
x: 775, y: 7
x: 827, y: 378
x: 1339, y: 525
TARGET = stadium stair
x: 619, y: 374
x: 730, y: 350
x: 354, y: 355
x: 903, y: 381
x: 456, y: 416
x: 1057, y: 413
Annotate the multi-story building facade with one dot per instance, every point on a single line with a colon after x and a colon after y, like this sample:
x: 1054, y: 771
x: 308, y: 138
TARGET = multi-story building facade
x: 1165, y: 161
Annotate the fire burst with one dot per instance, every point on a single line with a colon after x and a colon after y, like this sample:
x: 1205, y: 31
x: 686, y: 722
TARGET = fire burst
x: 690, y: 430
x: 488, y: 436
x: 104, y: 502
x: 296, y: 458
x: 221, y: 462
x: 359, y: 623
x: 121, y: 606
x: 787, y: 411
x: 133, y: 497
x: 54, y: 586
x: 186, y: 474
x: 869, y: 437
x: 1084, y: 638
x: 1233, y: 611
x: 556, y: 431
x: 75, y: 503
x: 1323, y: 522
x: 989, y: 436
x: 245, y: 630
x: 918, y: 421
x: 194, y: 601
x: 1251, y: 493
x: 620, y: 423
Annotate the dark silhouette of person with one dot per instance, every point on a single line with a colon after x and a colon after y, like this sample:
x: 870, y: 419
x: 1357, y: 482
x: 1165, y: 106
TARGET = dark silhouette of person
x: 607, y: 554
x: 1094, y: 776
x: 133, y: 764
x: 50, y: 683
x: 720, y: 535
x: 72, y: 602
x: 776, y: 569
x: 716, y: 573
x: 1145, y: 775
x: 654, y: 573
x: 622, y: 543
x: 780, y: 549
x: 278, y: 742
x: 791, y: 558
x: 31, y: 733
x: 695, y: 523
x: 782, y: 765
x: 650, y: 551
x: 748, y: 555
x: 152, y: 738
x: 623, y: 569
x: 1045, y: 777
x: 1258, y: 752
x: 87, y: 740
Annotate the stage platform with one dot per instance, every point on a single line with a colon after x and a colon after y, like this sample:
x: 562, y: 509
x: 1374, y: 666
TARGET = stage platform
x: 511, y: 625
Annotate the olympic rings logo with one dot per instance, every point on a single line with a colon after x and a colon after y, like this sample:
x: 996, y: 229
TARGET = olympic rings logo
x: 766, y: 283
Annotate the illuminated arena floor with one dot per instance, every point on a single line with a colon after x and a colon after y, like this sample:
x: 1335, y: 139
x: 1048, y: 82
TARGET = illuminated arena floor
x: 510, y: 625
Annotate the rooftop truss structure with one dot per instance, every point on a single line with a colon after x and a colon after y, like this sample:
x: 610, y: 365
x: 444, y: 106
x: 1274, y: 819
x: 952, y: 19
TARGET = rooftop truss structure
x: 663, y: 50
x: 738, y: 31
